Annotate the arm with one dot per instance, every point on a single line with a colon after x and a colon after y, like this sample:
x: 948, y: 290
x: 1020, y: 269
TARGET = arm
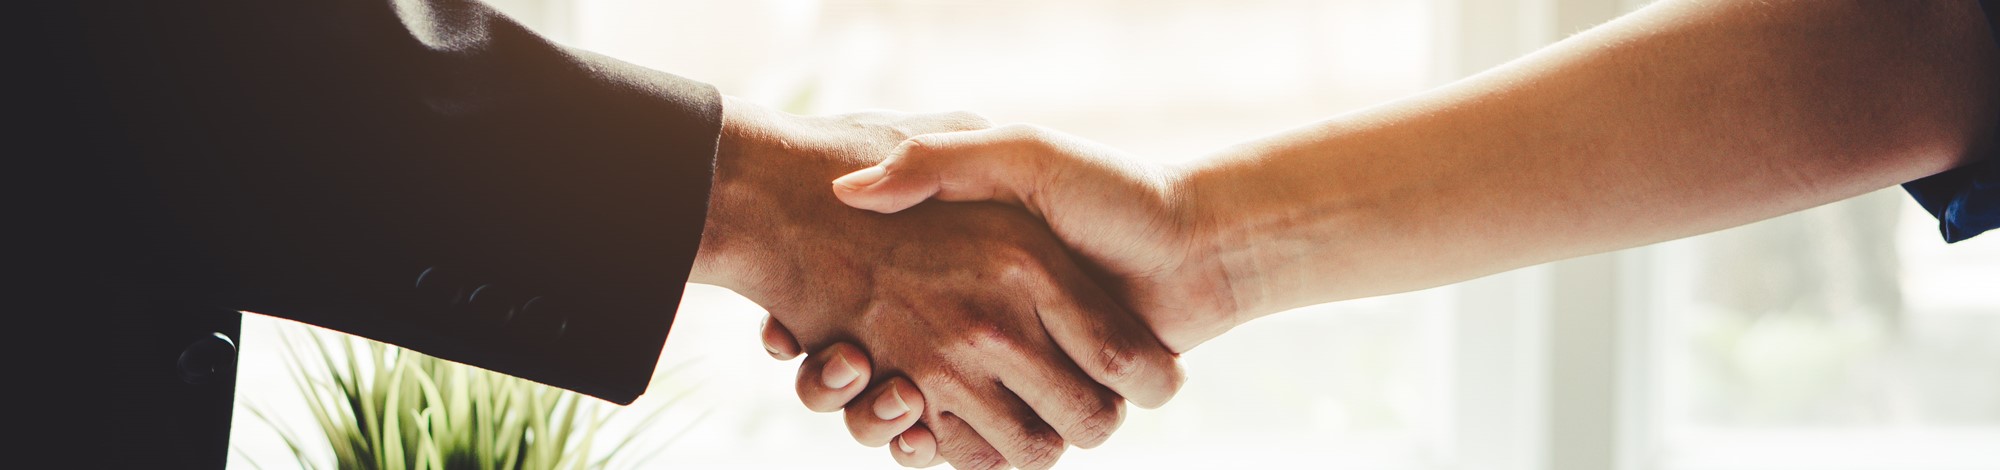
x: 1683, y: 118
x: 431, y: 174
x: 428, y: 174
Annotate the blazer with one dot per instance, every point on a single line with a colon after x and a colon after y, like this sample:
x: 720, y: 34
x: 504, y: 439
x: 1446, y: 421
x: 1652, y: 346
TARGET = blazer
x: 426, y: 173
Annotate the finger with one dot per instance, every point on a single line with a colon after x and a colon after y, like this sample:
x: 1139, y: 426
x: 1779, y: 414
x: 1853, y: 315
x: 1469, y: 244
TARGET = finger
x: 957, y: 442
x: 955, y: 121
x: 779, y: 341
x: 1110, y: 344
x: 1010, y: 427
x: 915, y: 448
x: 984, y: 165
x: 1081, y: 410
x: 911, y: 124
x: 884, y: 411
x: 830, y: 378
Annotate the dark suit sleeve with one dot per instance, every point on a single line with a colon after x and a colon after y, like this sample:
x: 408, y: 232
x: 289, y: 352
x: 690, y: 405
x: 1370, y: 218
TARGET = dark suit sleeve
x: 426, y: 173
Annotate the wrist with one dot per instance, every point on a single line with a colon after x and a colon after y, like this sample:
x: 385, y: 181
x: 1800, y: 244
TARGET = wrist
x: 1287, y: 236
x: 767, y: 198
x: 1244, y: 223
x: 726, y: 250
x: 1191, y: 196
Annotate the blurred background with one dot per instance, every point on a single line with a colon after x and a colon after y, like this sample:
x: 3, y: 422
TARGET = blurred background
x: 1843, y: 337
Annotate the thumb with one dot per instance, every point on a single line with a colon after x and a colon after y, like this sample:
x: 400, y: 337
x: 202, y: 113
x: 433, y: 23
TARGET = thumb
x: 983, y: 165
x: 779, y: 341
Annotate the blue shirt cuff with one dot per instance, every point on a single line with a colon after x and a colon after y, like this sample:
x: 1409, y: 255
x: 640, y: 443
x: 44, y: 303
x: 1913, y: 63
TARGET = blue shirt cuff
x: 1966, y: 200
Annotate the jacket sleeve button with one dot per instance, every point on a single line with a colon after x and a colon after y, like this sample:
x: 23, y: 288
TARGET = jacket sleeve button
x: 208, y: 359
x: 491, y: 305
x: 541, y: 321
x: 438, y: 287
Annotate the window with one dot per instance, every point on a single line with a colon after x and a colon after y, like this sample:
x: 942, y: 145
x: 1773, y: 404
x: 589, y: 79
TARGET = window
x: 1846, y: 336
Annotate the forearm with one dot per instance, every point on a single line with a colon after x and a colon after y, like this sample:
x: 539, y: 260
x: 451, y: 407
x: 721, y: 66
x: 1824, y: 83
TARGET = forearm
x: 1684, y: 118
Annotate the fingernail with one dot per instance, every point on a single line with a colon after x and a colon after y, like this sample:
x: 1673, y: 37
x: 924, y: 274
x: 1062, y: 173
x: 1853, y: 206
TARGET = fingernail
x: 862, y: 178
x: 838, y: 373
x: 904, y: 446
x: 890, y: 405
x: 769, y: 349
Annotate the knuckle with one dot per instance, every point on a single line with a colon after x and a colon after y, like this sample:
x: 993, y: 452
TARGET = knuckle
x: 1034, y: 133
x: 884, y: 313
x: 969, y: 452
x: 869, y: 118
x: 1017, y: 265
x: 1040, y: 450
x: 920, y: 143
x: 937, y: 381
x: 1120, y: 365
x: 989, y: 338
x: 941, y: 394
x: 1020, y: 130
x: 916, y: 148
x: 973, y: 120
x: 980, y: 461
x: 1098, y: 426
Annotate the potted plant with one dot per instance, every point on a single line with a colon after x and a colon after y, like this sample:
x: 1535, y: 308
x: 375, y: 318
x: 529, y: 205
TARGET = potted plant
x: 382, y: 407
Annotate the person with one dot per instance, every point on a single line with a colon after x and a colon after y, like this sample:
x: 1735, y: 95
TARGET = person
x: 1682, y: 118
x: 431, y: 174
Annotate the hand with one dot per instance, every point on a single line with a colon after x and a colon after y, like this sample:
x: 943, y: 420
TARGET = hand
x: 1133, y: 221
x: 883, y: 413
x: 1010, y: 343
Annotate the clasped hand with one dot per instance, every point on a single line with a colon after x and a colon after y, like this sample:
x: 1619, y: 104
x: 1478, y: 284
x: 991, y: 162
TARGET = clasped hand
x: 986, y: 344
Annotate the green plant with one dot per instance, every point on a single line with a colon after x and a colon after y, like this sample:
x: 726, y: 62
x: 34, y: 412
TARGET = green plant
x: 386, y: 408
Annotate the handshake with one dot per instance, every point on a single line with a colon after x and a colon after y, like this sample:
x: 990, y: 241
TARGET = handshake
x: 999, y: 333
x: 962, y: 332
